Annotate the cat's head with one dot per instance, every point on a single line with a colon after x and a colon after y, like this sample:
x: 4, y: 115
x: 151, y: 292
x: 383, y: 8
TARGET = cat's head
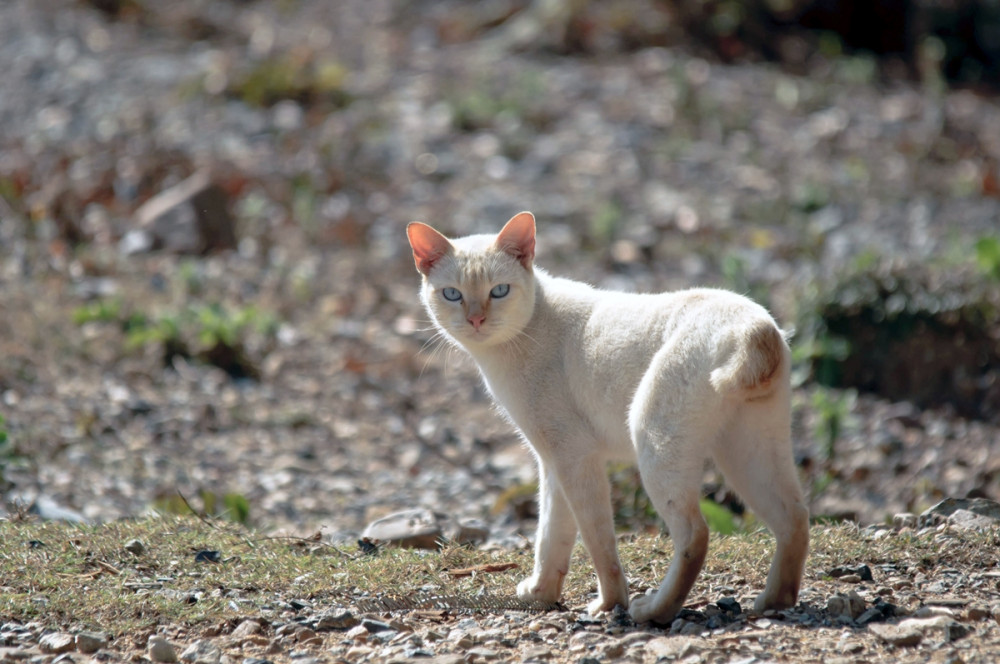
x: 479, y: 289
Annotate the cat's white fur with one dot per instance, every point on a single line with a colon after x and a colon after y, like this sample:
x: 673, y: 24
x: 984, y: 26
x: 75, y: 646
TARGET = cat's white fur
x: 589, y: 376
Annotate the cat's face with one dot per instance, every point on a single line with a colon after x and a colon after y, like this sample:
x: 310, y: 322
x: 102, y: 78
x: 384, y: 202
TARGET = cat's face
x: 479, y: 289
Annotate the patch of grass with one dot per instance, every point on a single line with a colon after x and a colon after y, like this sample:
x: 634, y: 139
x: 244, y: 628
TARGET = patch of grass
x: 988, y: 256
x: 212, y: 333
x: 83, y: 577
x: 101, y: 311
x: 301, y: 77
x: 4, y: 450
x: 231, y: 506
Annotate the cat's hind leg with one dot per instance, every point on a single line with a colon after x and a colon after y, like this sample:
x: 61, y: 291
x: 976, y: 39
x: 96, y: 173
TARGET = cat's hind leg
x: 673, y: 489
x: 674, y: 421
x: 554, y: 541
x: 755, y: 455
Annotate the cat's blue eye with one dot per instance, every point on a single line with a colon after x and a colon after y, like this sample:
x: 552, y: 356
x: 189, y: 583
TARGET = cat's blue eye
x: 451, y: 294
x: 500, y: 290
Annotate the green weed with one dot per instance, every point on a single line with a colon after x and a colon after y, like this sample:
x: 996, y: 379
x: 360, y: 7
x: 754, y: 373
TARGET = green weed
x: 233, y: 507
x: 988, y: 256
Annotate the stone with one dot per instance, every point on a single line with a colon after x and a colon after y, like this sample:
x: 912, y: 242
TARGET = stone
x: 161, y: 650
x: 356, y: 653
x: 192, y: 217
x: 965, y: 513
x: 536, y: 653
x: 202, y: 652
x: 90, y: 642
x: 730, y: 605
x: 135, y: 547
x: 340, y: 620
x: 670, y: 647
x: 416, y: 529
x: 247, y: 628
x: 897, y: 635
x: 471, y: 531
x: 375, y: 626
x: 904, y: 520
x: 850, y: 605
x: 861, y: 572
x: 56, y: 643
x: 976, y: 612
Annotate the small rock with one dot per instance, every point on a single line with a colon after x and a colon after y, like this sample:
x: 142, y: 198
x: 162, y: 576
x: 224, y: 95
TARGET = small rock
x: 897, y: 635
x: 611, y: 651
x: 188, y: 218
x: 56, y: 643
x: 336, y: 621
x: 536, y: 653
x: 966, y: 513
x: 247, y: 628
x: 861, y: 572
x: 904, y: 520
x: 976, y: 612
x: 161, y: 650
x: 664, y: 647
x: 471, y: 531
x: 304, y: 634
x: 207, y: 556
x: 49, y: 510
x: 482, y: 655
x: 375, y: 626
x: 202, y: 652
x: 730, y: 605
x: 135, y: 546
x: 417, y: 529
x: 955, y: 630
x: 869, y: 616
x: 355, y: 653
x: 850, y: 605
x: 357, y: 633
x: 90, y: 642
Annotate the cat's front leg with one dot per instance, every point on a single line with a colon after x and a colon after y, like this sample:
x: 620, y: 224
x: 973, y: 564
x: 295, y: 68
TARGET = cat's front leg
x: 553, y: 542
x: 584, y: 481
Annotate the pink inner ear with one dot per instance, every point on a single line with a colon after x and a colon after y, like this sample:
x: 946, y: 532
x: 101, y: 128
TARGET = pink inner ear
x: 428, y: 245
x: 518, y: 238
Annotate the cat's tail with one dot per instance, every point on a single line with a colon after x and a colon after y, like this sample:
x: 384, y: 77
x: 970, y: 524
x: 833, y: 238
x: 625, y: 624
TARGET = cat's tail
x: 755, y: 363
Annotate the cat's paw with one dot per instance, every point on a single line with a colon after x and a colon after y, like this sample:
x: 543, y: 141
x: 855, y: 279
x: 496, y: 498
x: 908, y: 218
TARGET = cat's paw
x: 782, y: 599
x: 645, y: 609
x: 532, y: 589
x: 599, y: 606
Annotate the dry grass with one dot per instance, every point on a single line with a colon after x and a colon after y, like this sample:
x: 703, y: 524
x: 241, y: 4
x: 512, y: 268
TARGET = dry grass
x: 71, y: 577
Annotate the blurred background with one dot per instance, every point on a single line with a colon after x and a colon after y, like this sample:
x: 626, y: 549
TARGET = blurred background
x: 207, y: 300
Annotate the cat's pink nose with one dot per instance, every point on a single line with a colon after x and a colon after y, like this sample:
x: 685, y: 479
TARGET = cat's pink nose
x: 477, y: 320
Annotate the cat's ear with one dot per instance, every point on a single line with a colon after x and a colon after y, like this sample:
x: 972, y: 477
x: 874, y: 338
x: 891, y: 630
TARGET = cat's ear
x: 517, y: 238
x: 428, y: 246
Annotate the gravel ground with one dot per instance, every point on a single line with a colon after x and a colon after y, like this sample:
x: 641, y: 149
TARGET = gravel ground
x: 648, y: 170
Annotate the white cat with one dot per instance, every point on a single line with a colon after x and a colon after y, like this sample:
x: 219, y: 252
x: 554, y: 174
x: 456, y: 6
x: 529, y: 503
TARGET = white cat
x: 666, y: 381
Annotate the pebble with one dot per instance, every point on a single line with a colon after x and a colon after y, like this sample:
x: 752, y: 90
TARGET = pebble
x: 355, y: 653
x: 202, y: 652
x: 90, y: 642
x: 56, y: 643
x: 135, y: 546
x: 161, y: 650
x: 850, y: 605
x: 482, y: 654
x: 247, y: 628
x: 664, y: 647
x: 336, y: 621
x: 897, y: 635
